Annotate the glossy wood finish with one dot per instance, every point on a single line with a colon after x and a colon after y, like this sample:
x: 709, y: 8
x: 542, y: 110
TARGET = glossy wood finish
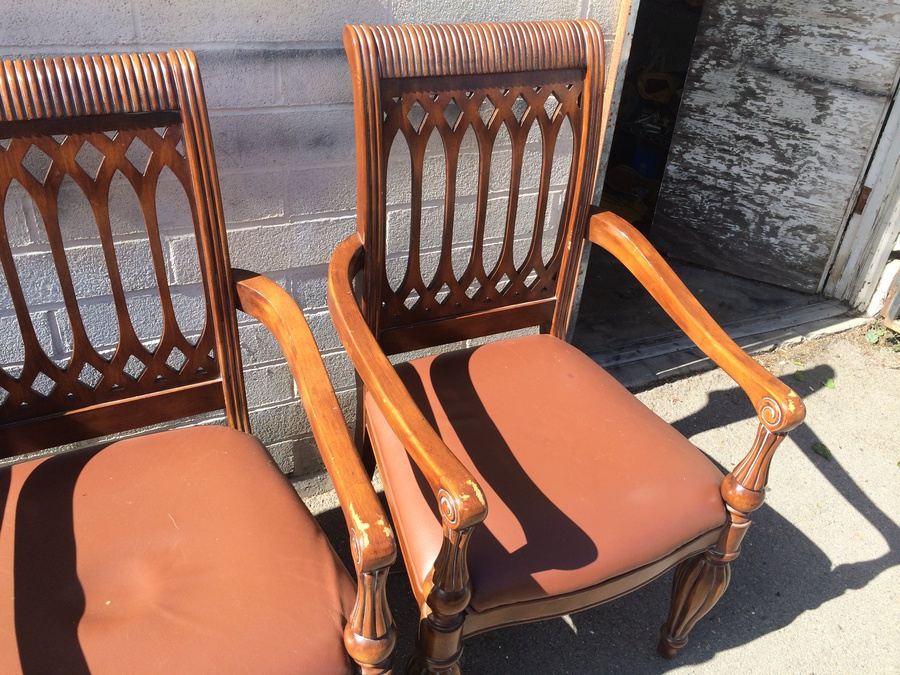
x: 58, y: 107
x: 701, y: 581
x: 487, y: 79
x: 436, y: 67
x: 778, y: 407
x: 369, y: 634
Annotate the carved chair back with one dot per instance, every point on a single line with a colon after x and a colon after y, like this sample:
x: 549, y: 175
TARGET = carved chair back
x: 76, y: 130
x: 477, y: 115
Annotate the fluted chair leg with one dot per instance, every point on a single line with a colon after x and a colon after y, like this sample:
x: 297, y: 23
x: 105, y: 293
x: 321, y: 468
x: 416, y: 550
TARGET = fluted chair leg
x: 699, y: 583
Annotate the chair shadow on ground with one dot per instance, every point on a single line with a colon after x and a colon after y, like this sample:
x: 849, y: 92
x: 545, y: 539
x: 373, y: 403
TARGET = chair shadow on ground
x: 780, y: 575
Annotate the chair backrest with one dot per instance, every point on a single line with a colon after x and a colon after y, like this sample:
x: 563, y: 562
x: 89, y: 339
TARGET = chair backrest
x: 475, y: 113
x: 79, y: 130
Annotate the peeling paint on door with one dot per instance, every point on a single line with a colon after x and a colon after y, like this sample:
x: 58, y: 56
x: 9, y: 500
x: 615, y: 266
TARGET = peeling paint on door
x: 782, y: 105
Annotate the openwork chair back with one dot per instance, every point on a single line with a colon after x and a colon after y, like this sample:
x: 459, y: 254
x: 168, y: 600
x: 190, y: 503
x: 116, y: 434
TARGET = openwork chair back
x: 477, y: 154
x: 94, y: 153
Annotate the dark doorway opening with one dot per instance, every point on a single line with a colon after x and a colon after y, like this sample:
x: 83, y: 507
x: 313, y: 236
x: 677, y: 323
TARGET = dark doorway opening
x: 658, y: 62
x: 618, y: 323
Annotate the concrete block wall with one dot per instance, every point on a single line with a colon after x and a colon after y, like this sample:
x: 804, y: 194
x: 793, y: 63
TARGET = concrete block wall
x: 281, y: 112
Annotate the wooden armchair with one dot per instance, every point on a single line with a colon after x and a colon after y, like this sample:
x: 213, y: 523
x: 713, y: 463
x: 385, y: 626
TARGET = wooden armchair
x: 175, y: 551
x: 524, y: 482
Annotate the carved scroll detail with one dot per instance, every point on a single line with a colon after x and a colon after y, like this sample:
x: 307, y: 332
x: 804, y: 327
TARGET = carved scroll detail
x: 770, y: 413
x: 448, y: 508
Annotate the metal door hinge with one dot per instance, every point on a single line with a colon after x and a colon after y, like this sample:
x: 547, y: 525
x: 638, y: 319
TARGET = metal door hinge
x: 861, y: 199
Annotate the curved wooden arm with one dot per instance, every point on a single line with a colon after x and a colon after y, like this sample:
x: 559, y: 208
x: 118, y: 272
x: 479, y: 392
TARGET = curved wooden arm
x: 779, y: 408
x: 369, y: 634
x: 459, y: 497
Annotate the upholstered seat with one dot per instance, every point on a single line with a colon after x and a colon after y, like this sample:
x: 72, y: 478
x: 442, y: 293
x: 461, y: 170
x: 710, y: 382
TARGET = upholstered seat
x: 182, y: 551
x: 582, y: 481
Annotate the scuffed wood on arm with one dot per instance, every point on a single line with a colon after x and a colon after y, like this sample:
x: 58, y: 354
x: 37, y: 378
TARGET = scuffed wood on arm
x: 779, y: 408
x: 459, y: 497
x: 460, y: 500
x: 369, y: 635
x: 700, y: 581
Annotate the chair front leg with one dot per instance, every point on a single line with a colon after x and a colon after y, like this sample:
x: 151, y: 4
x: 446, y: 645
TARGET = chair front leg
x: 701, y: 580
x: 369, y: 635
x: 439, y: 643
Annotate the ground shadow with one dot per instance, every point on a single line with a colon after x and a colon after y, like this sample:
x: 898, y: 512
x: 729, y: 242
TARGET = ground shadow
x: 780, y: 575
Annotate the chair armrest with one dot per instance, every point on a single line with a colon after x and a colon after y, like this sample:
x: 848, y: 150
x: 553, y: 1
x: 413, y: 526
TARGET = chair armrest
x: 778, y: 407
x: 263, y: 299
x: 369, y: 634
x: 459, y: 497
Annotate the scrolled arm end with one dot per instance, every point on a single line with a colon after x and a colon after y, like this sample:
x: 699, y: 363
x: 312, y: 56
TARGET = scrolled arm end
x: 781, y: 412
x: 369, y: 635
x: 462, y: 506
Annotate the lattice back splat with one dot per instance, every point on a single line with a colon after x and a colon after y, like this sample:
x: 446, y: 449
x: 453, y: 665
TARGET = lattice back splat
x: 473, y: 111
x: 98, y: 122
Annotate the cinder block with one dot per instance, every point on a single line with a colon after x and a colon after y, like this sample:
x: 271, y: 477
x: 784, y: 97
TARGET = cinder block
x: 398, y: 184
x: 100, y: 324
x: 30, y: 26
x: 292, y: 193
x: 78, y: 224
x: 189, y: 305
x: 323, y: 189
x: 287, y: 138
x: 90, y: 278
x: 307, y: 459
x: 398, y: 229
x: 12, y: 348
x: 239, y: 78
x: 165, y: 21
x: 258, y: 345
x: 283, y: 454
x: 268, y: 248
x: 314, y: 77
x: 340, y: 370
x: 173, y: 210
x: 309, y: 478
x: 145, y: 313
x: 268, y: 384
x: 471, y: 10
x: 19, y: 213
x: 279, y: 422
x: 323, y: 331
x: 249, y: 197
x: 288, y: 420
x: 607, y: 13
x: 309, y: 287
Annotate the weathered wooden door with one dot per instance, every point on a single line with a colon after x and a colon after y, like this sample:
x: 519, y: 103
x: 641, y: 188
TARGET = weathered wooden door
x: 783, y: 104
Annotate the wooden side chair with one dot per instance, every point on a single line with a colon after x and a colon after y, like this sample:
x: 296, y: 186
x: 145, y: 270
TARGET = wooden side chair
x: 176, y: 551
x: 524, y: 482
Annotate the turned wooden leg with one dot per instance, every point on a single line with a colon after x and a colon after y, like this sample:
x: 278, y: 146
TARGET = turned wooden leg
x: 699, y: 583
x: 438, y: 646
x: 439, y: 643
x: 369, y: 635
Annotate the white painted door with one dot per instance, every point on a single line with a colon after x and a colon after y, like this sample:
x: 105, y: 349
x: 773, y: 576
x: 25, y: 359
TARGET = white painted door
x: 874, y: 226
x: 782, y: 107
